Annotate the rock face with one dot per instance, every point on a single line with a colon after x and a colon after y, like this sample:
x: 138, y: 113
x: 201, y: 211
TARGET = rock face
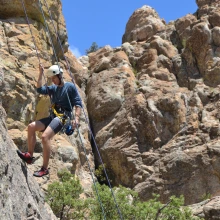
x: 21, y: 197
x: 20, y: 54
x: 144, y: 23
x: 153, y: 104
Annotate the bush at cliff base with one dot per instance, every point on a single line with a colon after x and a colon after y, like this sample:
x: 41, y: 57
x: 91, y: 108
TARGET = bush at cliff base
x: 64, y: 198
x: 132, y: 208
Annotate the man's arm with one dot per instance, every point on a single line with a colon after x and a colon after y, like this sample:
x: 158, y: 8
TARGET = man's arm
x: 41, y: 71
x: 77, y: 116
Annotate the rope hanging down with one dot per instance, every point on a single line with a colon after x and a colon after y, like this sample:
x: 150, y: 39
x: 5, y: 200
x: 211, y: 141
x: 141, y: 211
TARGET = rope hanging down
x: 24, y: 8
x: 69, y: 100
x: 35, y: 45
x: 86, y: 118
x: 84, y: 149
x: 33, y: 38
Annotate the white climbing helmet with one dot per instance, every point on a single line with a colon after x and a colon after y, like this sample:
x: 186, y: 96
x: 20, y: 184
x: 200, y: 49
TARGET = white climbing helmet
x: 54, y: 70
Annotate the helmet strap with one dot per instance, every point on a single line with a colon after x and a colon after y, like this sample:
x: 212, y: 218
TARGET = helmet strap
x: 60, y: 78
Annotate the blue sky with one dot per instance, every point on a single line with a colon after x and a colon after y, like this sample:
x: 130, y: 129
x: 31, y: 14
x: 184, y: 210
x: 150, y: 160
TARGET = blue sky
x: 104, y: 22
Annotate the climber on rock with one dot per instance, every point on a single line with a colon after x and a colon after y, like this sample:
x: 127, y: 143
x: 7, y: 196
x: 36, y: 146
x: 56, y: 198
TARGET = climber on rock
x: 64, y: 97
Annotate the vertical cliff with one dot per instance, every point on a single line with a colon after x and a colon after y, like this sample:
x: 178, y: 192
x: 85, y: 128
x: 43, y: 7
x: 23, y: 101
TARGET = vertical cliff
x: 153, y: 104
x: 20, y: 195
x: 22, y: 47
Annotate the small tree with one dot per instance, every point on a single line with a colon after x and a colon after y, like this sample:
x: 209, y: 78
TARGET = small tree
x: 63, y: 197
x: 131, y: 207
x: 100, y: 174
x: 111, y: 212
x: 94, y: 47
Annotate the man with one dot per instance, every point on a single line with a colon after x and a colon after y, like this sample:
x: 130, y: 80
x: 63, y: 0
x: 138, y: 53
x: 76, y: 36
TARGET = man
x: 64, y: 97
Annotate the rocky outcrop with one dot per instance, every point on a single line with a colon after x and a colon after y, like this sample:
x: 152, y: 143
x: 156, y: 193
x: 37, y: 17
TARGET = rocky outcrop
x: 153, y: 103
x: 20, y: 54
x: 207, y: 209
x: 21, y: 196
x: 144, y: 23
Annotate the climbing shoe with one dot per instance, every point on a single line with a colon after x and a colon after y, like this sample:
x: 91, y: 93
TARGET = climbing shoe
x: 25, y: 157
x: 42, y: 172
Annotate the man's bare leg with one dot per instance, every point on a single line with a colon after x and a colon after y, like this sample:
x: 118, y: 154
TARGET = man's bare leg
x: 32, y: 128
x: 46, y: 141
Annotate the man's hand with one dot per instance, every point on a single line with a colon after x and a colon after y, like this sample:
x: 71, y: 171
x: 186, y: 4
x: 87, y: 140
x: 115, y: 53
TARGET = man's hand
x: 41, y: 69
x: 75, y: 123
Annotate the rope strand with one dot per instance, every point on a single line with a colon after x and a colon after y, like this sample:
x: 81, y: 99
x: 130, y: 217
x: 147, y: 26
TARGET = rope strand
x: 48, y: 31
x: 25, y: 11
x: 90, y: 169
x: 86, y: 118
x: 35, y: 45
x: 71, y: 105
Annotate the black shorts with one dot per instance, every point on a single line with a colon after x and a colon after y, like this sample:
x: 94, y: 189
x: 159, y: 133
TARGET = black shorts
x: 54, y: 123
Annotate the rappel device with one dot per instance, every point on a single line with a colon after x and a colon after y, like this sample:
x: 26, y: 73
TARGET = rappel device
x: 69, y: 130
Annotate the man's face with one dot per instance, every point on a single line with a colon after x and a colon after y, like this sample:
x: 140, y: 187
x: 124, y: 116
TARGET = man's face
x: 55, y: 79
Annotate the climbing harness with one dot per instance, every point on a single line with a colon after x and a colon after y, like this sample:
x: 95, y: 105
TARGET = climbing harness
x: 59, y: 112
x: 67, y: 125
x: 61, y: 115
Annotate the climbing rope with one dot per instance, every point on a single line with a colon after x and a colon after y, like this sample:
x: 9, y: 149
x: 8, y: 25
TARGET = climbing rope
x: 84, y: 149
x: 40, y: 5
x: 35, y: 45
x: 86, y: 118
x: 48, y: 31
x: 33, y: 38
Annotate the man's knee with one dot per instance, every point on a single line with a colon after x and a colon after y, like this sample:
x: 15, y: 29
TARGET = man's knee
x: 32, y: 127
x: 44, y: 138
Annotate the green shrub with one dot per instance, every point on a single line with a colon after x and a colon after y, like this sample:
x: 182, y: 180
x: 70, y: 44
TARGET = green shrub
x: 63, y: 197
x: 131, y: 208
x: 100, y: 174
x: 206, y: 196
x: 107, y: 200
